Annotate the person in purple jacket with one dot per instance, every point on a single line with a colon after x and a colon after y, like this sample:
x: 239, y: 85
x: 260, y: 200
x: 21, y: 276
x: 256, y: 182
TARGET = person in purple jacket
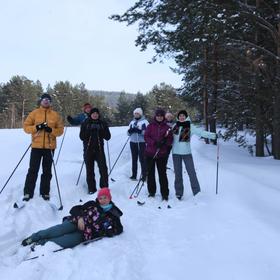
x: 158, y: 138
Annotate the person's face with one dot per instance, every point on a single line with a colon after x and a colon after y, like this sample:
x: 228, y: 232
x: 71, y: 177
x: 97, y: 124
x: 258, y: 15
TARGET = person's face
x: 182, y: 118
x: 137, y: 116
x: 87, y: 109
x: 94, y: 116
x: 46, y: 103
x: 103, y: 200
x: 169, y: 117
x: 159, y: 118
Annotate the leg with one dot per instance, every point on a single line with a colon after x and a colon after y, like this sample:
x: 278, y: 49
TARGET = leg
x: 188, y: 160
x: 69, y: 240
x: 45, y: 235
x: 34, y: 166
x: 163, y: 181
x: 142, y: 159
x: 151, y: 175
x: 178, y: 184
x: 47, y: 172
x: 103, y: 170
x: 90, y: 172
x: 134, y: 156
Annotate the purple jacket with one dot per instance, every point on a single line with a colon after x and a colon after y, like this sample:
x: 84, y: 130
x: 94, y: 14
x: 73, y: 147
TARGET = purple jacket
x: 156, y: 132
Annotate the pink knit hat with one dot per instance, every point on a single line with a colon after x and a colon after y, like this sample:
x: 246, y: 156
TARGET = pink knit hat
x: 104, y: 191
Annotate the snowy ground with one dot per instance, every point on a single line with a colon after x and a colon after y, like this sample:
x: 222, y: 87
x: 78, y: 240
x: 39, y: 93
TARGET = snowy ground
x: 232, y: 235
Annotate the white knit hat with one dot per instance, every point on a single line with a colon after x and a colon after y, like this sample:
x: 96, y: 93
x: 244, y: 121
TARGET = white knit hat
x: 139, y: 111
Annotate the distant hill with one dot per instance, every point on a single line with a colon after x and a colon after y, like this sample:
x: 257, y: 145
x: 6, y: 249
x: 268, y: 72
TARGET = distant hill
x: 111, y: 97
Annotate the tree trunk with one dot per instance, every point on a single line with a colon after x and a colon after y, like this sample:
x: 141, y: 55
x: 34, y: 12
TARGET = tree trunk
x: 205, y: 93
x: 276, y: 111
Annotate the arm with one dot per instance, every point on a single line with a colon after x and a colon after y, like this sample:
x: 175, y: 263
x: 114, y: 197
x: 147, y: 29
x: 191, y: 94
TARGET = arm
x: 29, y: 124
x: 77, y: 120
x: 84, y: 133
x: 202, y: 133
x: 147, y: 137
x: 59, y: 127
x: 105, y: 132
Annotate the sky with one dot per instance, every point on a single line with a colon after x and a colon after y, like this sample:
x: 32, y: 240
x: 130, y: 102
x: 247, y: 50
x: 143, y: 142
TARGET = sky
x: 58, y: 40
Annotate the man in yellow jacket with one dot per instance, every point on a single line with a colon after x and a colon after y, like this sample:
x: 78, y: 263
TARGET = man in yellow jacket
x: 44, y: 125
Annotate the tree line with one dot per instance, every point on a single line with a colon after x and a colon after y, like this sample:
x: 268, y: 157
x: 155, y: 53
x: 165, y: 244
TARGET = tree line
x: 19, y: 96
x: 228, y: 53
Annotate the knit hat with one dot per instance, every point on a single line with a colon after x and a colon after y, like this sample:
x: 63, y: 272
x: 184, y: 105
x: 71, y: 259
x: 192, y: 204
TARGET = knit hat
x: 94, y: 110
x: 46, y: 96
x: 160, y: 112
x: 138, y: 111
x: 104, y: 191
x: 182, y: 112
x: 86, y: 105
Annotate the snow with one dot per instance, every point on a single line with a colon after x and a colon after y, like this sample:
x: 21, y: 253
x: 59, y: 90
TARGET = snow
x: 232, y: 235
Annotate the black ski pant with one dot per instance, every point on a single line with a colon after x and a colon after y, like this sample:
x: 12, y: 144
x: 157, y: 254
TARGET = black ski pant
x: 137, y: 151
x: 34, y: 165
x: 163, y: 181
x: 99, y: 157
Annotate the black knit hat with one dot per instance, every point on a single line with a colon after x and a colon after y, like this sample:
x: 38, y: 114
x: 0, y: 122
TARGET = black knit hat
x: 182, y: 112
x: 94, y: 110
x: 46, y: 96
x: 160, y: 112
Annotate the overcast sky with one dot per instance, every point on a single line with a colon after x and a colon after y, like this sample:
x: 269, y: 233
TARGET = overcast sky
x: 74, y: 40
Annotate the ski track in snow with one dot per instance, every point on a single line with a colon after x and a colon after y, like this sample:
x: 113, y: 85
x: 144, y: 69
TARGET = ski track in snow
x: 234, y: 235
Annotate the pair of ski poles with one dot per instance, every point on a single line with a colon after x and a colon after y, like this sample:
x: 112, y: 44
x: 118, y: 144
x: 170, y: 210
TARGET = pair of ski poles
x: 111, y: 169
x: 58, y: 189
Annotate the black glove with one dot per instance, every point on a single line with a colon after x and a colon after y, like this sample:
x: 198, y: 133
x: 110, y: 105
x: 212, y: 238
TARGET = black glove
x: 41, y: 126
x: 69, y: 119
x: 95, y: 126
x: 137, y: 130
x: 130, y: 131
x: 108, y: 229
x: 48, y: 129
x: 160, y: 143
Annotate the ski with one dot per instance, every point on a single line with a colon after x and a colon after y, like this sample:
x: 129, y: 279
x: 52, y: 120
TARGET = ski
x: 19, y: 204
x: 140, y: 203
x: 32, y: 248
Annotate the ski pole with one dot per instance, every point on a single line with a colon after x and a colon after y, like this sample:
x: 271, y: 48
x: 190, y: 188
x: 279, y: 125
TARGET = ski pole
x: 217, y: 171
x: 136, y: 190
x: 61, y: 145
x: 61, y: 206
x: 108, y: 153
x: 16, y: 168
x: 80, y: 173
x: 118, y: 156
x: 85, y: 152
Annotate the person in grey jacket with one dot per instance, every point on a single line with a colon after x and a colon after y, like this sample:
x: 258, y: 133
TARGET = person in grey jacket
x: 181, y: 151
x: 136, y: 132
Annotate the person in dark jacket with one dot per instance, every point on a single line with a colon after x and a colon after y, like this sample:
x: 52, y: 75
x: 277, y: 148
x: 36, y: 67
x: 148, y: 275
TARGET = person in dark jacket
x: 93, y: 132
x: 88, y: 221
x: 158, y: 141
x: 80, y: 118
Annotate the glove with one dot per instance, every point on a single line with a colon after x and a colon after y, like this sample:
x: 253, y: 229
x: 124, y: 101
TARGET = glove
x: 41, y: 126
x: 108, y: 229
x: 160, y: 143
x: 130, y: 131
x: 137, y: 130
x: 95, y: 126
x: 69, y: 119
x: 48, y: 129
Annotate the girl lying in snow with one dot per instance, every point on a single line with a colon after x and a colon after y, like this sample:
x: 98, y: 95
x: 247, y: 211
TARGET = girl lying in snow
x: 91, y: 220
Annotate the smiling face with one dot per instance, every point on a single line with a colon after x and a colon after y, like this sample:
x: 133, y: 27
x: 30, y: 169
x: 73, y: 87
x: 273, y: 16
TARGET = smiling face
x: 103, y: 200
x: 182, y: 118
x: 159, y: 118
x: 45, y: 102
x: 94, y: 116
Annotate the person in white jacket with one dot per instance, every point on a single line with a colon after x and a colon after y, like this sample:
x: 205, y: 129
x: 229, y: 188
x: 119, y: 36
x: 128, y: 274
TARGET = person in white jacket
x: 181, y: 151
x: 136, y: 132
